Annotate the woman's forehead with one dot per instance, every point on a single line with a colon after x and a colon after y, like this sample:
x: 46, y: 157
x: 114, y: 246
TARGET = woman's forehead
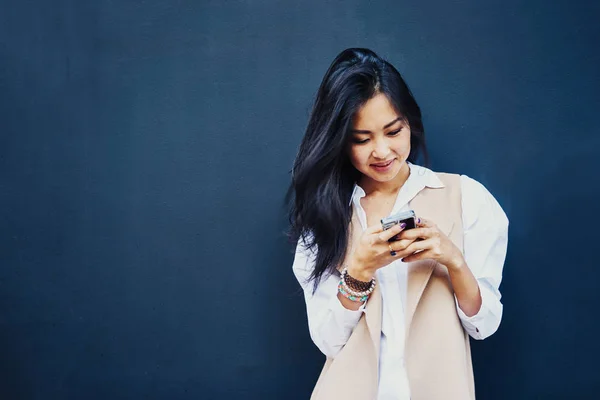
x: 376, y: 114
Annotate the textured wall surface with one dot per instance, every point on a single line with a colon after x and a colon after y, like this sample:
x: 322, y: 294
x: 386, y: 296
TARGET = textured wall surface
x: 145, y: 149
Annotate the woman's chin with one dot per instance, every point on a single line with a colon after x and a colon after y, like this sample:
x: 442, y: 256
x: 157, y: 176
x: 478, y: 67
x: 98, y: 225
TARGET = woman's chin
x: 388, y: 176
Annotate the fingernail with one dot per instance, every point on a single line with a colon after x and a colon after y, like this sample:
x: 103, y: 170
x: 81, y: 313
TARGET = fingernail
x: 419, y: 220
x: 402, y: 225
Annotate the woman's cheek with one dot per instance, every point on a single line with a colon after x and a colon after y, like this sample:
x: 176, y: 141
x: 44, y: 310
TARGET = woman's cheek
x: 356, y: 157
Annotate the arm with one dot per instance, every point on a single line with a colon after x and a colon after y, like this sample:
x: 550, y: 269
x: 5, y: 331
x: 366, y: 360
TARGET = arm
x: 332, y: 317
x: 466, y: 288
x: 485, y: 227
x: 476, y: 275
x: 330, y: 323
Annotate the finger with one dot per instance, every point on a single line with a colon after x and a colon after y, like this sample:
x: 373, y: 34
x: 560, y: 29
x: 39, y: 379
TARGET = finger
x: 377, y: 228
x: 416, y: 233
x: 422, y: 255
x: 386, y: 235
x: 401, y: 245
x: 423, y: 222
x: 419, y: 245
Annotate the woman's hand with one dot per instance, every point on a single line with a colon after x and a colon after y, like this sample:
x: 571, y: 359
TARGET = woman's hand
x: 433, y: 244
x: 373, y: 251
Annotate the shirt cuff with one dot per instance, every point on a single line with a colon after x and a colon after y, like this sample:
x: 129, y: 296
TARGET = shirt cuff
x: 345, y: 317
x: 474, y: 325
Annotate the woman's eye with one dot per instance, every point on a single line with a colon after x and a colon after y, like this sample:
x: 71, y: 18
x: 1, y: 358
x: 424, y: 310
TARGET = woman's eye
x: 358, y: 141
x: 394, y: 133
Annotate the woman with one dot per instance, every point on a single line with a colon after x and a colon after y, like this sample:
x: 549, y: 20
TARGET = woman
x: 392, y: 310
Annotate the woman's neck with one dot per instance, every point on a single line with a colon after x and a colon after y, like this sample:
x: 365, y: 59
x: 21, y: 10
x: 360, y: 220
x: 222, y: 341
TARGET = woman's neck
x: 390, y: 187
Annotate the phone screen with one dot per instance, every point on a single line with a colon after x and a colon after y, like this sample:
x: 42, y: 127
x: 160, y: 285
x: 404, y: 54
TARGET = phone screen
x: 410, y: 224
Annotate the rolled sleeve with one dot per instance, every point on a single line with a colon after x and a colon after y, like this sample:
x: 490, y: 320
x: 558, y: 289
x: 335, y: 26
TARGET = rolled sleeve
x: 330, y: 323
x: 487, y: 320
x: 344, y: 317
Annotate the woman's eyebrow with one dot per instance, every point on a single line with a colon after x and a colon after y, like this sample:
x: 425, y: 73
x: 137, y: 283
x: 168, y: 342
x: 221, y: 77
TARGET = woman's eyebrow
x: 385, y: 127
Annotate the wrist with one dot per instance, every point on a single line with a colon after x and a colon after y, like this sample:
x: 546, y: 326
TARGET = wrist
x: 357, y: 270
x: 457, y: 264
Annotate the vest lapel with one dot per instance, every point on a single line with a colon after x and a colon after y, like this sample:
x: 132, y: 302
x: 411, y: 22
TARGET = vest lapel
x: 419, y: 272
x: 373, y: 318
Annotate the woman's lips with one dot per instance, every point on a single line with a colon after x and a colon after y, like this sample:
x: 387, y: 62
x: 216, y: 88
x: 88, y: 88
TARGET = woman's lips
x: 383, y: 167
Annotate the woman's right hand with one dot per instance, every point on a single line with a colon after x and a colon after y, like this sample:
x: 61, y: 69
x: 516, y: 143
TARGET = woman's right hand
x: 373, y: 251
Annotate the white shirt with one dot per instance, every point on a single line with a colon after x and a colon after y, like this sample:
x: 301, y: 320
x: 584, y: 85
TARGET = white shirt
x: 485, y: 228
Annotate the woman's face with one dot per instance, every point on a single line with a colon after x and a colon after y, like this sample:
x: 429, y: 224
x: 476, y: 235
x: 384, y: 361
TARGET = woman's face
x: 379, y: 144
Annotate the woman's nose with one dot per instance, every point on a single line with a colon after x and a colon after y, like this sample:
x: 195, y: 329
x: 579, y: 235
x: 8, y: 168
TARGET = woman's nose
x: 381, y: 150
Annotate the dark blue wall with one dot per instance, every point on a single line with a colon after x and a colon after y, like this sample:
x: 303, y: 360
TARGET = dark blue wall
x: 144, y: 155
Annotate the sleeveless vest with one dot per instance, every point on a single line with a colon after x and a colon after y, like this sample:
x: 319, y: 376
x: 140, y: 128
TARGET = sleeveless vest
x: 437, y: 349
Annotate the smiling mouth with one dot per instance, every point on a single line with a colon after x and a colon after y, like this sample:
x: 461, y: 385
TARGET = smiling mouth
x: 383, y: 165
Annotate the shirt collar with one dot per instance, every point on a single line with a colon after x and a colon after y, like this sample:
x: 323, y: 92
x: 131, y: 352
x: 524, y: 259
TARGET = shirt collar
x: 419, y: 176
x: 425, y: 176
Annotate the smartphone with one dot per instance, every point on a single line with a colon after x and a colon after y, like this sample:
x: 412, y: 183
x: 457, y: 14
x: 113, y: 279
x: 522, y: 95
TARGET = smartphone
x: 407, y: 217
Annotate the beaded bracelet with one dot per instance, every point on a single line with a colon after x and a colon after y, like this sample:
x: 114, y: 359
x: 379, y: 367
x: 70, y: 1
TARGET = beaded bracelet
x: 348, y: 288
x: 355, y: 292
x: 351, y: 297
x: 355, y: 284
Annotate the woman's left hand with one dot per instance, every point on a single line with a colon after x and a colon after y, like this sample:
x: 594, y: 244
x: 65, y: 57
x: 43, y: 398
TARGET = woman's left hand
x: 434, y: 244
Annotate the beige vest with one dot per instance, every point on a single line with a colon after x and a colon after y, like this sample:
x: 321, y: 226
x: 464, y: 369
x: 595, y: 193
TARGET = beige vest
x: 437, y: 351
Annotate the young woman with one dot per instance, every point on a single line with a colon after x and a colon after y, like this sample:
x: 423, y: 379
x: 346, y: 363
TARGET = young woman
x: 392, y: 310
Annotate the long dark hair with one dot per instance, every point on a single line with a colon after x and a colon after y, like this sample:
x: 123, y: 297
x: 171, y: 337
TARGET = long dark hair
x: 323, y: 177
